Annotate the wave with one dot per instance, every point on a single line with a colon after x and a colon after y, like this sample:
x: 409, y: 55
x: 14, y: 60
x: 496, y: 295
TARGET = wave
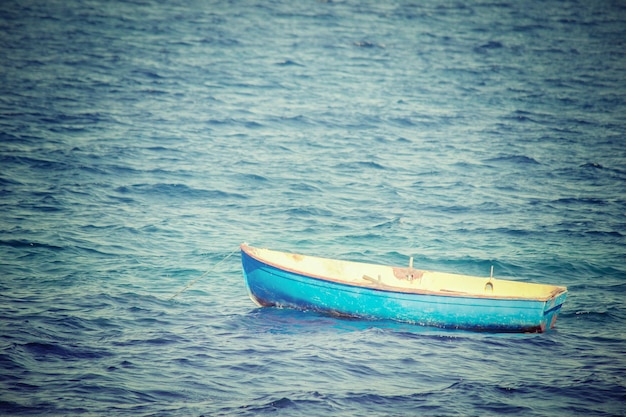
x: 515, y: 159
x: 358, y: 165
x: 176, y: 190
x: 41, y: 350
x: 21, y: 243
x: 435, y: 400
x: 252, y: 178
x: 289, y: 63
x: 489, y: 46
x: 34, y: 162
x: 604, y: 233
x: 593, y: 165
x: 8, y: 182
x: 368, y: 44
x: 388, y: 224
x: 581, y: 200
x: 307, y: 212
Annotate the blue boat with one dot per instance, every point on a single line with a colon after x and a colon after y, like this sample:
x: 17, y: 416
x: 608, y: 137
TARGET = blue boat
x: 406, y: 294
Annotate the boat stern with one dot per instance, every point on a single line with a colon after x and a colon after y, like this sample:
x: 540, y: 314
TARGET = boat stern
x: 552, y: 308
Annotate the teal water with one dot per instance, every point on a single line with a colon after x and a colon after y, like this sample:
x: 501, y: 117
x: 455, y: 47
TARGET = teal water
x: 141, y: 143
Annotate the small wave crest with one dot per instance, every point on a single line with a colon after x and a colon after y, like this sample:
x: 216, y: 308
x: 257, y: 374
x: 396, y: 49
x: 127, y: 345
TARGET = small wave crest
x: 176, y: 191
x: 41, y: 350
x: 514, y: 159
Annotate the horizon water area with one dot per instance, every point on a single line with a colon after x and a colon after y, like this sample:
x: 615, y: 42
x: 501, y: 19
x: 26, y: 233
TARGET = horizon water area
x: 141, y: 142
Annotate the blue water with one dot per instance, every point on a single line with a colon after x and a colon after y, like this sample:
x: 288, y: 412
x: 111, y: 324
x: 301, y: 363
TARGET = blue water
x: 141, y: 142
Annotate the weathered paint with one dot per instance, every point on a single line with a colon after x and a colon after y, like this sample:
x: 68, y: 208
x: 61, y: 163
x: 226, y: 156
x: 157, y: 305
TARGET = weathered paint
x: 380, y: 292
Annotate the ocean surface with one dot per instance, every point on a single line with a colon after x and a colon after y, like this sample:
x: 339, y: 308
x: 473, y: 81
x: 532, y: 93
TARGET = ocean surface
x: 141, y: 142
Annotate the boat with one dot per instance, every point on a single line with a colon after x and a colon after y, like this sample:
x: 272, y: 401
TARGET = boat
x: 404, y: 294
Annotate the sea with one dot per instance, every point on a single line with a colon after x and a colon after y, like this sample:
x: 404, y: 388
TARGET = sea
x: 142, y: 142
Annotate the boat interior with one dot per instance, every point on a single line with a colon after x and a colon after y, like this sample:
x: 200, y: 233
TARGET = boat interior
x: 403, y: 279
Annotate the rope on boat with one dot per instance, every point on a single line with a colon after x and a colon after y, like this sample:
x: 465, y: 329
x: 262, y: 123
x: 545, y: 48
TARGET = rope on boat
x: 186, y: 287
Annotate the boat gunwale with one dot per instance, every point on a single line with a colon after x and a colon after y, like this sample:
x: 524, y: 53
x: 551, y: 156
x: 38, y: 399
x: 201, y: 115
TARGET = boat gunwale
x: 251, y: 251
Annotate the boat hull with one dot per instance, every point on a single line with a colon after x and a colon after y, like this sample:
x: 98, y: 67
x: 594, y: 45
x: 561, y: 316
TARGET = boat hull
x: 271, y: 285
